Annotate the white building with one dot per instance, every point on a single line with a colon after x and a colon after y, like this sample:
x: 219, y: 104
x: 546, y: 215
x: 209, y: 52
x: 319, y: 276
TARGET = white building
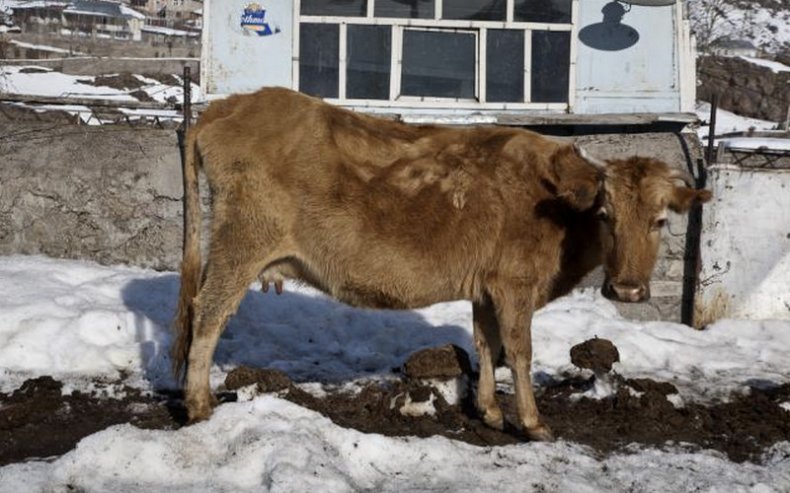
x: 498, y: 59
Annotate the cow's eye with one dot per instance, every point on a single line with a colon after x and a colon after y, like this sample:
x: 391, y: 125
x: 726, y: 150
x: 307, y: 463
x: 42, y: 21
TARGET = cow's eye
x: 602, y: 214
x: 660, y: 223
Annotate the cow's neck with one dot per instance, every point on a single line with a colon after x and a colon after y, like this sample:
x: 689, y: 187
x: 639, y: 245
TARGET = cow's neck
x: 581, y: 251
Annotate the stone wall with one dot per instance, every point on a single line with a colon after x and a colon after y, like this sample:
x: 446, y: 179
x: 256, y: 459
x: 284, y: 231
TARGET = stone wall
x: 113, y: 195
x: 744, y: 88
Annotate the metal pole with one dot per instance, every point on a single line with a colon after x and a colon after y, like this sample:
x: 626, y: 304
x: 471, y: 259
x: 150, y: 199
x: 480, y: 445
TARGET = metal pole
x: 692, y: 257
x: 714, y: 108
x: 182, y: 129
x: 187, y: 97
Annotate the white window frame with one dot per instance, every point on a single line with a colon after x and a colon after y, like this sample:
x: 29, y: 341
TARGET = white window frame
x: 397, y: 100
x: 398, y: 57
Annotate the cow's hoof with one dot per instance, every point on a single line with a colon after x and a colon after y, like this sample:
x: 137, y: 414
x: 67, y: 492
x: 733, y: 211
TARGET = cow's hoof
x: 494, y: 419
x: 539, y: 433
x: 200, y: 411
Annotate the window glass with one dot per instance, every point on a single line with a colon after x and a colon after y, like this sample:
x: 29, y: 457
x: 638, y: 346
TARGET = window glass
x: 319, y: 46
x: 408, y: 9
x: 542, y: 11
x: 438, y: 64
x: 551, y: 58
x: 505, y: 66
x: 368, y: 55
x: 480, y: 10
x: 346, y: 8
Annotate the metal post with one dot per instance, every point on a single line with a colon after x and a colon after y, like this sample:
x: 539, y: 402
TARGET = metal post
x: 714, y: 108
x: 182, y: 129
x: 692, y: 257
x: 186, y: 109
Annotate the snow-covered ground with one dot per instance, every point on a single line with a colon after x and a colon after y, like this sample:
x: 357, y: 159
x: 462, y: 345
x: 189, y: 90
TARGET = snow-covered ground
x: 41, y: 81
x: 727, y: 122
x: 79, y: 322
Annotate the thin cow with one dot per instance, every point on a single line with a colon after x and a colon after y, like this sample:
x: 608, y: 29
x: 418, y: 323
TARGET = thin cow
x: 386, y: 215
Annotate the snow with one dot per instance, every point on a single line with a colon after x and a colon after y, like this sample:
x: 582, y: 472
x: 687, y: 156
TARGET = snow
x: 49, y: 83
x: 776, y: 67
x: 775, y: 144
x: 728, y: 122
x: 51, y: 49
x: 168, y: 31
x: 767, y: 28
x: 79, y: 321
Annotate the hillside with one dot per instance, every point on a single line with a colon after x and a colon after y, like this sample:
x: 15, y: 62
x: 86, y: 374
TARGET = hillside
x: 766, y: 23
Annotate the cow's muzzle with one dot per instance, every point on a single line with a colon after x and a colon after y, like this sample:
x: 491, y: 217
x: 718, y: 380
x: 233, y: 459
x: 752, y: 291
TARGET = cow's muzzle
x: 629, y: 293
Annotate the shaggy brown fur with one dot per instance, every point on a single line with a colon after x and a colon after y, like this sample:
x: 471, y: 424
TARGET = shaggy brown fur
x: 381, y: 214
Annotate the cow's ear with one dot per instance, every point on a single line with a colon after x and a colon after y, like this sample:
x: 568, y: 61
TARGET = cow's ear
x: 578, y: 181
x: 684, y: 197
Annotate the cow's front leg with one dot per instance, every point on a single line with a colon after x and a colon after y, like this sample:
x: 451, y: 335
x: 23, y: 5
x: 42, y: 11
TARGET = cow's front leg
x: 488, y: 344
x: 514, y: 308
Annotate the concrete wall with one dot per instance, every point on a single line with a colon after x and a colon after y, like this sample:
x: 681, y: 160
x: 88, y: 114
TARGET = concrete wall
x: 112, y: 194
x: 746, y: 255
x: 175, y: 47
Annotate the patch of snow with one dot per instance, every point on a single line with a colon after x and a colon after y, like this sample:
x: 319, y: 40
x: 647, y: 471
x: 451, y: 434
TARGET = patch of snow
x: 776, y: 67
x: 775, y: 144
x: 728, y: 122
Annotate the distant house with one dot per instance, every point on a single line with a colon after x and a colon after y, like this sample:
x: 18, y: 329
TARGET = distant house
x: 165, y: 35
x: 103, y: 19
x: 173, y: 10
x: 733, y: 47
x: 84, y: 18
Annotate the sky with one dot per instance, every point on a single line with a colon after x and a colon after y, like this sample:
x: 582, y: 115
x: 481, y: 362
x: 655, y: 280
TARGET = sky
x: 81, y: 323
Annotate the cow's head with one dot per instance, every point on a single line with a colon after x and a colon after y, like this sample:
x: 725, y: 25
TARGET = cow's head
x: 632, y: 202
x: 637, y: 195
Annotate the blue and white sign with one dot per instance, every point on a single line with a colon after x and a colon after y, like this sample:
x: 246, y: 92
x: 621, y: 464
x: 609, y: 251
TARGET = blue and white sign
x: 254, y: 19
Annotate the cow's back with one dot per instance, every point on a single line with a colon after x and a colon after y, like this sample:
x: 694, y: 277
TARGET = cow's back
x: 373, y: 211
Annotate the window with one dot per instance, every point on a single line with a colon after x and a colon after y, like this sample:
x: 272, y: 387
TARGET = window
x: 439, y: 63
x: 368, y: 54
x: 318, y: 63
x: 505, y: 68
x: 437, y: 53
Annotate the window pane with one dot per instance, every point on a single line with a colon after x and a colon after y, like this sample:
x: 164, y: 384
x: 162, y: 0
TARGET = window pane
x: 542, y: 11
x: 368, y: 74
x: 551, y: 61
x: 481, y: 10
x: 348, y: 8
x: 438, y: 64
x: 408, y: 9
x: 505, y: 66
x: 319, y: 46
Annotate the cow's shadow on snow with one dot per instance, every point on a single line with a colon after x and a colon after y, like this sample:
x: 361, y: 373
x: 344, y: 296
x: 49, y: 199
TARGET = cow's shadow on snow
x: 310, y: 337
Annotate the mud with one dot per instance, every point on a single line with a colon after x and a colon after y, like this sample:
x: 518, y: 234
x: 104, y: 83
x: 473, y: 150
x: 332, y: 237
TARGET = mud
x: 37, y: 421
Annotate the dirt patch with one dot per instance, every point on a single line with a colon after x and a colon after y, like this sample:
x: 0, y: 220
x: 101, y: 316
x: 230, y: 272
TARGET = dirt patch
x: 17, y: 113
x: 123, y: 81
x: 40, y: 422
x: 37, y: 421
x: 34, y: 70
x: 596, y: 354
x: 166, y: 79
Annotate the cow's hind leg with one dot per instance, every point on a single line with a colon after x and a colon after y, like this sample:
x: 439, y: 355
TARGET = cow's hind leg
x: 226, y: 282
x: 489, y: 345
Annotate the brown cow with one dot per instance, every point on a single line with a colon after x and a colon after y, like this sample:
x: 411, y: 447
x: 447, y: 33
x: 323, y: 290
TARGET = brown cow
x: 382, y: 214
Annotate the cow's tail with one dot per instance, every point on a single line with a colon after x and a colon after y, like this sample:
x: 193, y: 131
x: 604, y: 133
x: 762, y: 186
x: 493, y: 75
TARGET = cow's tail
x: 191, y: 261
